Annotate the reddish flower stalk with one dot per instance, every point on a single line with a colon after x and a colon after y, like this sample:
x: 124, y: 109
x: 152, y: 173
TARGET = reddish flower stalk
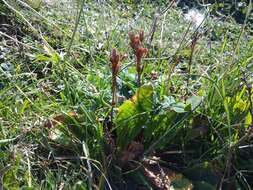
x: 139, y: 51
x: 115, y: 59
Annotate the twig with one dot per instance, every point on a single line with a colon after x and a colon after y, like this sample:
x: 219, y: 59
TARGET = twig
x: 155, y: 21
x: 193, y: 45
x: 75, y: 29
x: 15, y: 40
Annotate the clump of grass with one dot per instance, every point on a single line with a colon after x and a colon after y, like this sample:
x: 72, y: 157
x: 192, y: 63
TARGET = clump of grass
x: 208, y: 127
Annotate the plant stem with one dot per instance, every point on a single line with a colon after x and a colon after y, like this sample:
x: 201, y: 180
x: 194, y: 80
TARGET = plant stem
x: 114, y: 96
x: 139, y: 71
x: 193, y: 44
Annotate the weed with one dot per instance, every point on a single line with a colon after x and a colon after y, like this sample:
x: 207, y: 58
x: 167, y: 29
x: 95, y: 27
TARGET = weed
x: 180, y: 101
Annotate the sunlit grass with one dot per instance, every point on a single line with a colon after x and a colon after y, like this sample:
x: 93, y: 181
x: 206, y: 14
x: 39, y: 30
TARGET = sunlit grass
x: 55, y: 66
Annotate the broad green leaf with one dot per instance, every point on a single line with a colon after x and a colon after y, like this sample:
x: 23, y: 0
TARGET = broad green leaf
x: 132, y: 115
x: 194, y: 101
x: 143, y: 98
x: 178, y: 107
x: 171, y: 104
x: 168, y: 102
x: 126, y: 110
x: 125, y: 120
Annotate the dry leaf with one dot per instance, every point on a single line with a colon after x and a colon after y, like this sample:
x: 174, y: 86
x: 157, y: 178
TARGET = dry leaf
x: 162, y: 177
x: 59, y: 119
x: 134, y: 151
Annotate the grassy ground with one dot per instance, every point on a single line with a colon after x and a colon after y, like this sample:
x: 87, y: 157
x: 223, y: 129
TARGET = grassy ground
x: 189, y: 125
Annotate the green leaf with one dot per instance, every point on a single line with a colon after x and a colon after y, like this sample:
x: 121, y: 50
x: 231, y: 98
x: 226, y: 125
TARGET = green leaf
x: 143, y: 98
x: 130, y: 117
x: 126, y: 110
x: 248, y: 120
x: 125, y: 120
x: 179, y: 107
x: 194, y: 101
x: 171, y: 104
x: 168, y: 102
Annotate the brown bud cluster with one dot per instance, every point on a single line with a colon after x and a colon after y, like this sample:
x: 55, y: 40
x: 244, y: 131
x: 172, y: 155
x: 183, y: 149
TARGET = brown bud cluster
x: 115, y: 59
x: 136, y: 44
x: 139, y: 51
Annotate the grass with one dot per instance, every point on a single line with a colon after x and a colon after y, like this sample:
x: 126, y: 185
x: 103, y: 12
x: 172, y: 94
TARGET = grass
x: 189, y: 121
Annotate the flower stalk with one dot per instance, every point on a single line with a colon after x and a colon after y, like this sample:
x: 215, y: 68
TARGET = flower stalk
x: 115, y: 59
x: 139, y: 51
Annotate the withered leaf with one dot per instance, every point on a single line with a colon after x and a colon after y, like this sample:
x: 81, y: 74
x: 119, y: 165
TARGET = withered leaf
x: 59, y: 119
x: 134, y: 151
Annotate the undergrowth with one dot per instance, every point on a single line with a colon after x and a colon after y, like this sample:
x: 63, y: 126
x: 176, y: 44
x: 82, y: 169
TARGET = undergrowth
x: 124, y: 95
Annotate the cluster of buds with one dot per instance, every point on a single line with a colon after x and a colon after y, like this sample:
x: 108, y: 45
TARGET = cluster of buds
x: 139, y: 51
x: 116, y: 58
